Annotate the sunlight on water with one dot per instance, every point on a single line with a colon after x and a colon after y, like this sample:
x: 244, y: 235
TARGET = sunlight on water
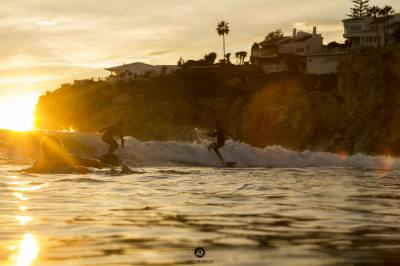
x: 23, y: 220
x: 22, y: 208
x: 28, y: 250
x: 242, y: 216
x: 32, y: 188
x: 20, y: 196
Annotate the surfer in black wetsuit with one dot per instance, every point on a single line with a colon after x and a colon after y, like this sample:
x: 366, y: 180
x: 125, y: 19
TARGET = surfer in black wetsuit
x: 110, y: 133
x: 219, y: 133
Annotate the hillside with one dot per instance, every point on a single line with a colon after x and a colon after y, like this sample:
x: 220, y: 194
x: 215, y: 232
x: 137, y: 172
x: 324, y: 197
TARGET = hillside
x: 356, y: 110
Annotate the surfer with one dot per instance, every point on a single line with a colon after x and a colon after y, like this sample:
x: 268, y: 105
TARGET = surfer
x: 54, y: 159
x: 219, y: 133
x: 109, y: 134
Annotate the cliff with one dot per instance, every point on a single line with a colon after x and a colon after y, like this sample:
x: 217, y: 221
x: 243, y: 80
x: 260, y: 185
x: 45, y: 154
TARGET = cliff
x: 356, y: 110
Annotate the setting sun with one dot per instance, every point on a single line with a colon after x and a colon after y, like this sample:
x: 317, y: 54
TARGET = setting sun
x: 17, y: 111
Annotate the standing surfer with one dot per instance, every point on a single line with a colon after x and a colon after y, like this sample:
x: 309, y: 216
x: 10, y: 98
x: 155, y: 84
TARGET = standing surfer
x: 219, y: 133
x: 109, y: 134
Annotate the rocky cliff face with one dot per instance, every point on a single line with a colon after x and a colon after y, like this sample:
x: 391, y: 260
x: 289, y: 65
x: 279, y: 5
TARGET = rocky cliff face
x: 361, y: 114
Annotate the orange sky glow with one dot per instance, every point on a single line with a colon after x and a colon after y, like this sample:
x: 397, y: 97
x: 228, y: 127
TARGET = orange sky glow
x: 46, y: 43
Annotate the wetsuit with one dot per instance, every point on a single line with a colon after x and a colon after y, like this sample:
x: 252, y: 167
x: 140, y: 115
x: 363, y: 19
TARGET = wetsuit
x: 220, y: 134
x: 108, y: 137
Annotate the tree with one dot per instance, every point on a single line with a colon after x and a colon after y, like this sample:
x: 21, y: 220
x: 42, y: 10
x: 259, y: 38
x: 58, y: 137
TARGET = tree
x: 222, y: 30
x: 181, y: 62
x: 387, y: 13
x: 228, y: 58
x: 360, y: 8
x: 122, y: 74
x: 210, y: 58
x: 241, y: 56
x: 396, y: 34
x: 374, y: 12
x: 274, y: 35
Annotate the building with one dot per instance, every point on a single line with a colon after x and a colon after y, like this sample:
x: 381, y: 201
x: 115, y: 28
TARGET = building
x: 273, y: 55
x: 325, y: 62
x: 364, y: 32
x: 137, y: 70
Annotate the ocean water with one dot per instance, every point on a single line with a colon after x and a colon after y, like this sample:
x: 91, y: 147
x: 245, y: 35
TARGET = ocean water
x: 277, y: 207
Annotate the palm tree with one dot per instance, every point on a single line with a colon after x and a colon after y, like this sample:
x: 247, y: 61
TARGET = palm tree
x: 222, y: 30
x: 387, y: 13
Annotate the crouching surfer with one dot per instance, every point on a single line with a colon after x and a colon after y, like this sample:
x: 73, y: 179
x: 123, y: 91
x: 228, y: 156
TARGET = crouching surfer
x: 110, y: 133
x: 55, y: 160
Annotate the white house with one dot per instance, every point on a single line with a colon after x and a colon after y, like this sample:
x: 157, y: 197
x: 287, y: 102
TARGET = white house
x: 364, y: 32
x: 325, y: 62
x: 137, y: 70
x: 273, y: 54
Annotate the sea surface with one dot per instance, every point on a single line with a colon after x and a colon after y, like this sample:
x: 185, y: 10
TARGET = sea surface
x: 296, y: 209
x: 239, y: 216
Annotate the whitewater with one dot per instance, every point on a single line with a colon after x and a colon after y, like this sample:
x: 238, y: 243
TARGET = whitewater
x: 276, y: 207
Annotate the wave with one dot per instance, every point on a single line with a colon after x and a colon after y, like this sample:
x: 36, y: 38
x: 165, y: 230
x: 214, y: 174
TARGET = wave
x: 168, y: 153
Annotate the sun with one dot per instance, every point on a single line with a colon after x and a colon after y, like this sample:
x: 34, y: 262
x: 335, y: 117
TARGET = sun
x: 17, y: 111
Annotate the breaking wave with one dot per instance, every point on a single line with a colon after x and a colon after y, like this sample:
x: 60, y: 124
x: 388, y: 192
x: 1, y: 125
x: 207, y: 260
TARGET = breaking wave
x: 196, y: 153
x: 156, y: 153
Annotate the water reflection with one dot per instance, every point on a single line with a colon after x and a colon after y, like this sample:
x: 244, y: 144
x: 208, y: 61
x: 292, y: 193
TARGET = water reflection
x: 20, y: 196
x: 28, y: 250
x: 23, y: 220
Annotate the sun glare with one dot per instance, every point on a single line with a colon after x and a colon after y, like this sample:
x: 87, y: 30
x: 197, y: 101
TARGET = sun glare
x: 17, y: 111
x: 28, y: 250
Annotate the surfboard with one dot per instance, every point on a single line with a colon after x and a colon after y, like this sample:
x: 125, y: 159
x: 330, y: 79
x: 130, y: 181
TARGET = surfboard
x: 110, y: 158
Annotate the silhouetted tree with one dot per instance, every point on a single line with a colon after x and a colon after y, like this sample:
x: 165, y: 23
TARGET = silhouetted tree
x: 222, y: 30
x: 387, y: 13
x: 360, y: 8
x: 210, y: 58
x: 181, y: 62
x: 228, y: 58
x: 374, y: 12
x: 241, y: 56
x: 396, y: 34
x: 122, y: 74
x: 274, y: 35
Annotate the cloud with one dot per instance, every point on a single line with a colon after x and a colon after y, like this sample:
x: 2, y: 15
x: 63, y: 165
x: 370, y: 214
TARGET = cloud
x: 82, y: 37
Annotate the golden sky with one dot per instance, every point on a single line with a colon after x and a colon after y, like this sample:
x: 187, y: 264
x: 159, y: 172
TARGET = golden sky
x: 47, y: 42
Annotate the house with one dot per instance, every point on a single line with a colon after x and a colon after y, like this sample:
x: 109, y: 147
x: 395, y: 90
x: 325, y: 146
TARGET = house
x: 365, y: 32
x: 273, y: 55
x: 137, y: 70
x: 325, y: 62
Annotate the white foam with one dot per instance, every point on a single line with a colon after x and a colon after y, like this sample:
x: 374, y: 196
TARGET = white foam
x: 196, y: 153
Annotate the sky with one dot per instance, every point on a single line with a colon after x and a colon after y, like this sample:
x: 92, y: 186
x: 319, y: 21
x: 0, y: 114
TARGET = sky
x: 48, y: 42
